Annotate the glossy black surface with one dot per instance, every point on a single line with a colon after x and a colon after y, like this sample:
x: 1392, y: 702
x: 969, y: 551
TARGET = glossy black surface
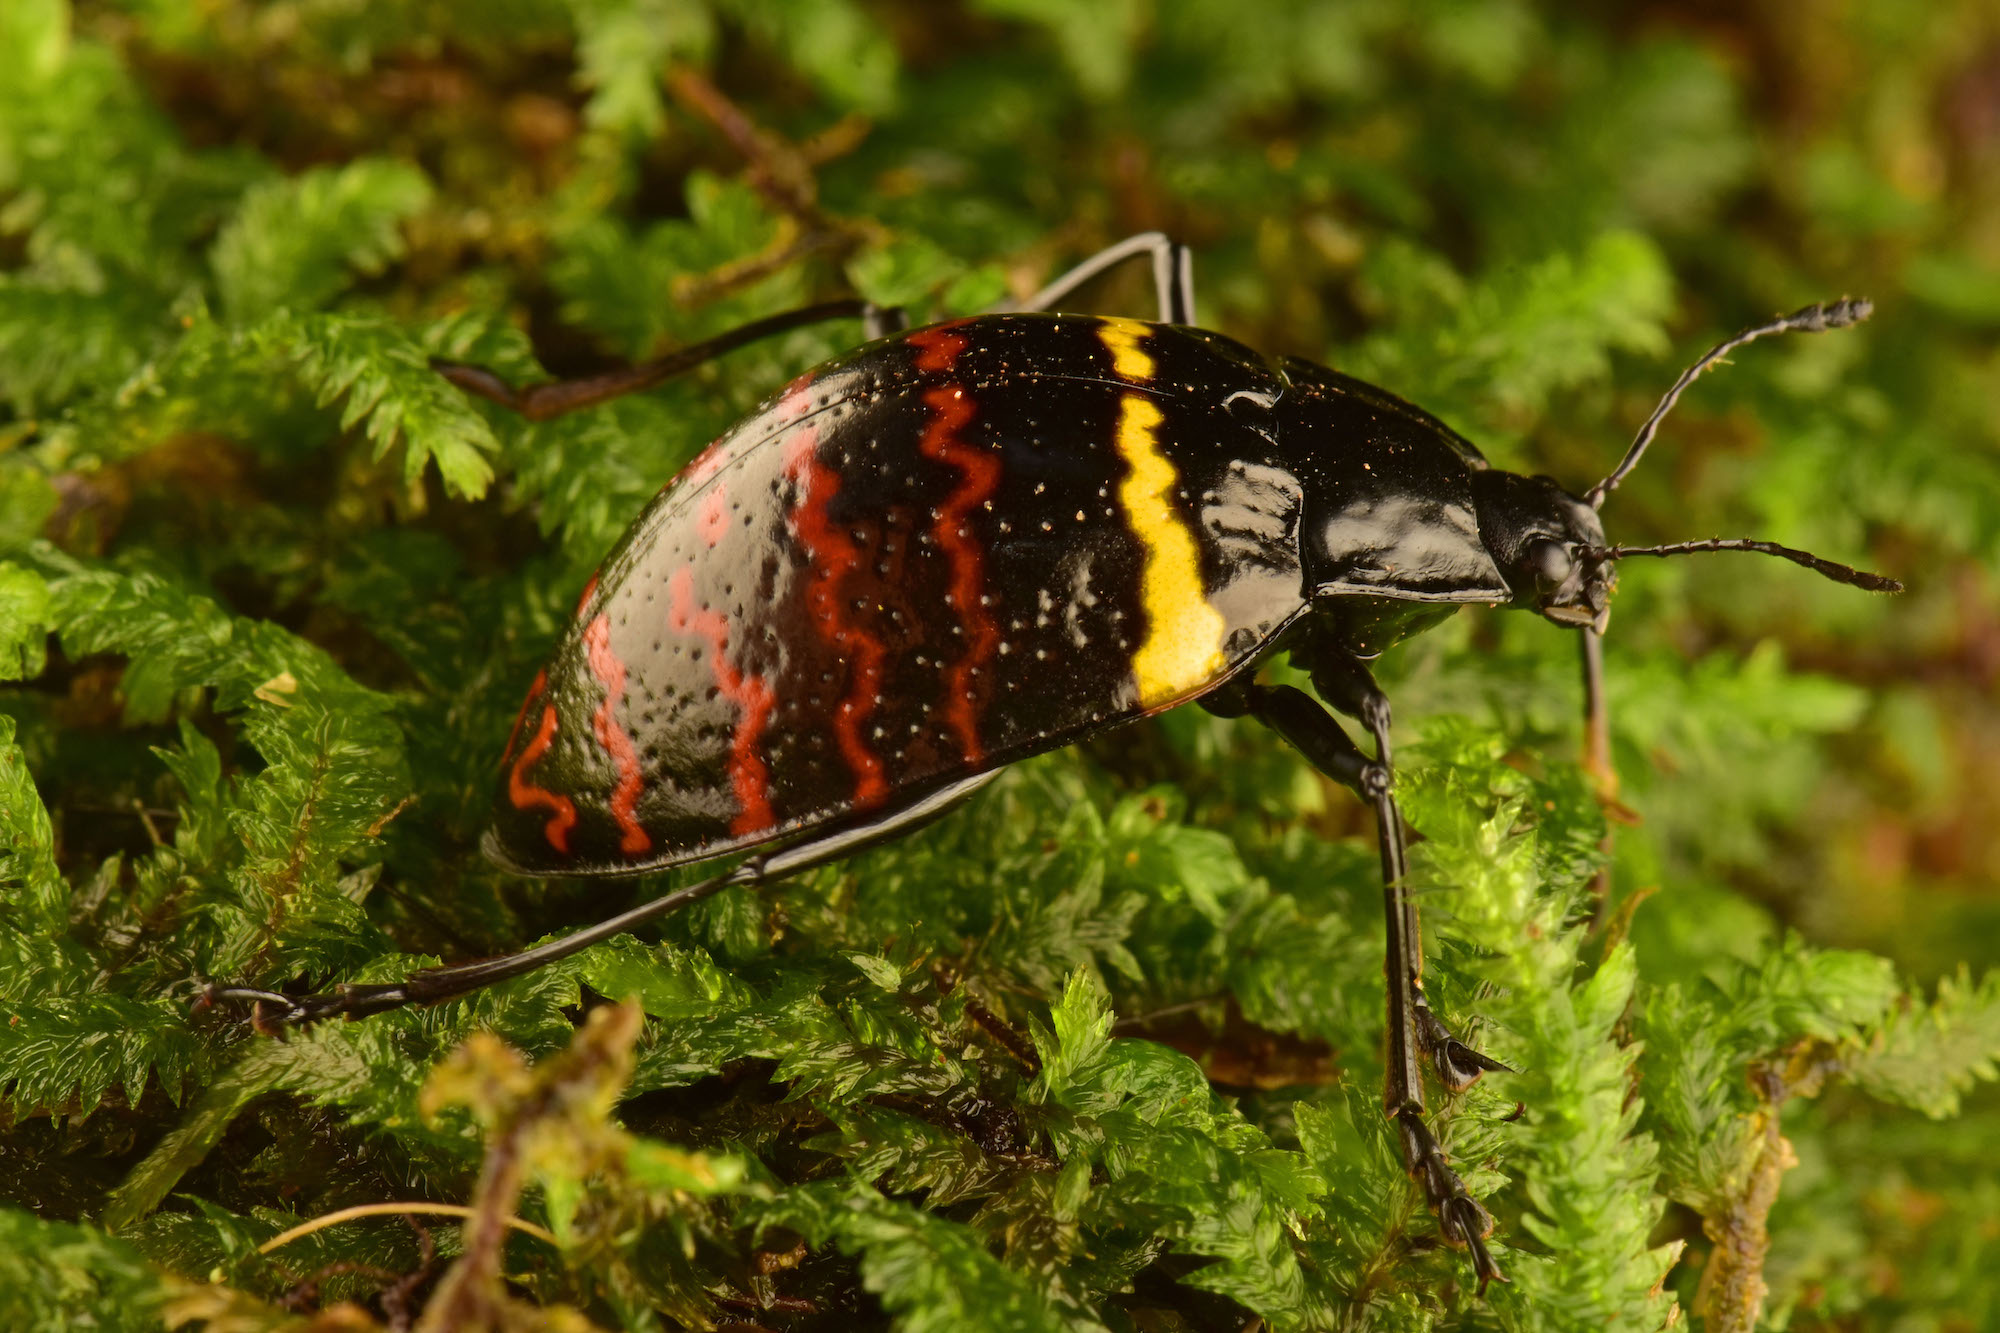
x: 962, y: 545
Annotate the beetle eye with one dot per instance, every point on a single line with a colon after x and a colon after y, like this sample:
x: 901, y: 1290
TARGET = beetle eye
x: 1551, y: 562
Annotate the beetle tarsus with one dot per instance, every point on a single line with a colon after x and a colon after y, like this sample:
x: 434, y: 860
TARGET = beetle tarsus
x: 1463, y: 1221
x: 272, y: 1012
x: 1413, y: 1028
x: 1458, y: 1065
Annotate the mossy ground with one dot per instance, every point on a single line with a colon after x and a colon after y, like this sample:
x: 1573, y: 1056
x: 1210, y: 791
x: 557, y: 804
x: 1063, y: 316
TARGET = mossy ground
x: 1102, y: 1050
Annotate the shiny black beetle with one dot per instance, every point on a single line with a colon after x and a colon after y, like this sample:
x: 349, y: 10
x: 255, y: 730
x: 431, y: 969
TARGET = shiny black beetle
x: 968, y: 543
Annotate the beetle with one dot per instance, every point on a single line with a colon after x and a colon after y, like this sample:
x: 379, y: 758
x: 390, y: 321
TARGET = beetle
x: 965, y: 544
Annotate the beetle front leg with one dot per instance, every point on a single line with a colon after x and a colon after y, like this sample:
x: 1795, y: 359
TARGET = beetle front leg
x: 1326, y: 745
x: 1597, y: 719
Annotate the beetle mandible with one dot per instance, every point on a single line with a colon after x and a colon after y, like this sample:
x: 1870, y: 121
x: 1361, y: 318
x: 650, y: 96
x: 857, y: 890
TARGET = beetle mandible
x: 965, y: 544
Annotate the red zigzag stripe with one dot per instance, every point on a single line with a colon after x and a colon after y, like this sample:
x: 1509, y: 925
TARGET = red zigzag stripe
x: 752, y: 694
x: 951, y: 409
x: 514, y: 732
x: 835, y: 556
x: 609, y: 669
x: 525, y: 795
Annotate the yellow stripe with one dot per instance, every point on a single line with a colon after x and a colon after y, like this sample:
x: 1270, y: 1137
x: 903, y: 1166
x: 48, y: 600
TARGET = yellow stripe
x: 1183, y: 647
x: 1122, y: 337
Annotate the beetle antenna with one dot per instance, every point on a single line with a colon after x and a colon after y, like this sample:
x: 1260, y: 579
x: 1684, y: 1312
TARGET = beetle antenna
x: 1859, y: 578
x: 1813, y: 319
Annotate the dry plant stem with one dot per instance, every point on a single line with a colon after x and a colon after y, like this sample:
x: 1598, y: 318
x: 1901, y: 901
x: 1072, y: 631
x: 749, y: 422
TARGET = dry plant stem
x: 217, y: 1307
x: 305, y: 1294
x: 786, y: 248
x: 783, y: 173
x: 284, y: 1238
x: 396, y: 1298
x: 994, y: 1026
x: 1732, y: 1291
x: 836, y: 140
x: 472, y: 1294
x: 1616, y: 926
x: 779, y: 171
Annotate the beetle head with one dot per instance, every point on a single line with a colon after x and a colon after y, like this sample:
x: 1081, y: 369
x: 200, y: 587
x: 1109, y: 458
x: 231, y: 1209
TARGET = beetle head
x: 1549, y: 546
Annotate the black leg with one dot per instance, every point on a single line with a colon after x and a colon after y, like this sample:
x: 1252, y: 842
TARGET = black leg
x: 1346, y: 684
x: 1597, y: 719
x: 1597, y: 765
x: 879, y: 321
x: 1412, y: 1027
x: 539, y: 402
x: 444, y: 983
x: 1173, y: 276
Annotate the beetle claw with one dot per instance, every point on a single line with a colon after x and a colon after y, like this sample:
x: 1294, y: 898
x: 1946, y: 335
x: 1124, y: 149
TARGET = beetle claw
x: 1458, y: 1065
x: 273, y: 1013
x: 1463, y: 1221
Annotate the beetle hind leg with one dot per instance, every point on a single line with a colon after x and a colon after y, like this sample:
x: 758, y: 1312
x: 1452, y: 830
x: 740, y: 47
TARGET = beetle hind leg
x: 553, y: 398
x: 273, y: 1010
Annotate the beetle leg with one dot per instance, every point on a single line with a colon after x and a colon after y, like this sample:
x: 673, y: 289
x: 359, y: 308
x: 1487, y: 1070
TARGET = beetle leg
x: 539, y: 402
x: 1308, y: 728
x: 1597, y: 719
x: 444, y: 983
x: 1321, y: 739
x: 1173, y: 276
x: 1596, y: 759
x: 879, y: 321
x: 1350, y: 688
